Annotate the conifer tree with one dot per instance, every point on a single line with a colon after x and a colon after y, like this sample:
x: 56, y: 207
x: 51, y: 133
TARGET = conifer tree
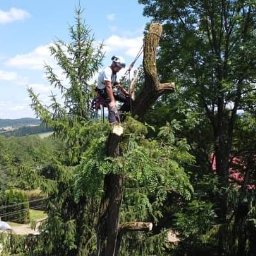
x: 79, y: 60
x: 70, y: 222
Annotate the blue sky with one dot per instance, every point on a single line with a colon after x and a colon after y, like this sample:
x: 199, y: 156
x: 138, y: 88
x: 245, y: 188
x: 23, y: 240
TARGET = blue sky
x: 28, y: 27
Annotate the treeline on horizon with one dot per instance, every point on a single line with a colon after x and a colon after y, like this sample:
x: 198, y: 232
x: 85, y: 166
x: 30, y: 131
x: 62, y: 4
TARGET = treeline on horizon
x: 19, y: 122
x: 22, y: 127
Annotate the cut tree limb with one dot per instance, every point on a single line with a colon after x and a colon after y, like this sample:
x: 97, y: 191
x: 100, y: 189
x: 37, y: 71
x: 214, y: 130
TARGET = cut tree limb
x: 129, y: 227
x: 113, y: 140
x: 136, y: 226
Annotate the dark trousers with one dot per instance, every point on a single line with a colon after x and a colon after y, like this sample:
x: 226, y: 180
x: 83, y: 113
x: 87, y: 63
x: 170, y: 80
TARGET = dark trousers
x: 113, y: 113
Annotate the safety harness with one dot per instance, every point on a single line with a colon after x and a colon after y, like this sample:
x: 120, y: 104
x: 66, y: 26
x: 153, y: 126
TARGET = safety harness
x: 100, y: 101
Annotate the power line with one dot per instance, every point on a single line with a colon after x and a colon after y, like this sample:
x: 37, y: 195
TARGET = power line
x: 17, y: 212
x: 31, y: 201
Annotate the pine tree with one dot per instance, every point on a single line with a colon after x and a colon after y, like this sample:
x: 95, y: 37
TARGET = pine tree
x: 79, y: 61
x: 70, y: 223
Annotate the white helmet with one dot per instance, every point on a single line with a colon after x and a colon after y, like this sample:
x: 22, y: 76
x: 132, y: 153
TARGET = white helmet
x: 119, y: 61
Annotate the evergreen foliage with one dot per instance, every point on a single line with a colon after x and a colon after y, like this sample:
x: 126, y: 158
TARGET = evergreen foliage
x: 150, y: 176
x: 79, y: 61
x: 154, y: 168
x: 69, y: 229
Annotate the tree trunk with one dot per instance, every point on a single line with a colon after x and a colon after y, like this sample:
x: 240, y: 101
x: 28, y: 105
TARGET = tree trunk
x: 108, y: 223
x: 110, y: 203
x: 109, y: 218
x: 152, y: 87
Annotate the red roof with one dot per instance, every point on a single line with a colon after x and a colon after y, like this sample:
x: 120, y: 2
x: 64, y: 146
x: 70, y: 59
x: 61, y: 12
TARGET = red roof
x: 236, y: 173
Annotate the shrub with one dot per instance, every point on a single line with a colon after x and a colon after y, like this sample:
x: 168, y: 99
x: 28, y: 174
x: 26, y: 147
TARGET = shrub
x: 15, y: 206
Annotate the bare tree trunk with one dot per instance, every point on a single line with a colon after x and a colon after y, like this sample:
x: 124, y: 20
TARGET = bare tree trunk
x: 108, y: 224
x: 152, y: 87
x: 109, y: 220
x: 110, y: 203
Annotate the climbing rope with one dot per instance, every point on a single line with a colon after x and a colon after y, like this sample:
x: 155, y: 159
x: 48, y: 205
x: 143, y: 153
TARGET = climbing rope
x: 128, y: 71
x: 134, y: 61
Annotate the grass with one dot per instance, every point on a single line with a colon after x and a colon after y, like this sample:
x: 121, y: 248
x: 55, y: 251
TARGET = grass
x: 34, y: 194
x: 44, y: 134
x: 36, y: 215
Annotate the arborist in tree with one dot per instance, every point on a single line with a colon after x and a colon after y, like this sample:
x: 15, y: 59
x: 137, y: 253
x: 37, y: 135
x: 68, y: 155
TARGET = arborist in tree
x: 109, y: 87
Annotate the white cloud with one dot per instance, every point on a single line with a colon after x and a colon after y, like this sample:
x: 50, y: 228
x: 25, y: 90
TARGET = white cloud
x: 10, y: 109
x: 36, y: 59
x: 40, y: 88
x: 18, y: 108
x: 129, y: 46
x: 111, y: 17
x: 13, y: 77
x: 33, y: 60
x: 8, y: 76
x: 13, y: 14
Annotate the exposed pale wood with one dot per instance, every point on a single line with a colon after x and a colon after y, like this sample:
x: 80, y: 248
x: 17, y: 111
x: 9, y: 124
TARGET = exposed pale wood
x: 132, y: 88
x: 173, y: 237
x: 113, y: 140
x: 136, y: 226
x: 117, y: 130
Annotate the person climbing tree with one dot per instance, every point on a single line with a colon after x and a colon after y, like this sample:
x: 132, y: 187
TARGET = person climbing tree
x: 109, y: 87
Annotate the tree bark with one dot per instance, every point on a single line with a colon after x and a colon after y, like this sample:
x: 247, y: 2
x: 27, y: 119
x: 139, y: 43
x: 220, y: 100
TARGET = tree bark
x: 152, y: 88
x: 108, y: 223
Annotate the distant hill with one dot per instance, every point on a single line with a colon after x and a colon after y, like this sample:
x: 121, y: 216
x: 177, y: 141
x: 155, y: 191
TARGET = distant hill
x: 40, y: 130
x: 22, y: 127
x: 17, y: 123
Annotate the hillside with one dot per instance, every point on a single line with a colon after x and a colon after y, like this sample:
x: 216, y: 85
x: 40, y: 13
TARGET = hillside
x: 16, y: 123
x: 22, y: 127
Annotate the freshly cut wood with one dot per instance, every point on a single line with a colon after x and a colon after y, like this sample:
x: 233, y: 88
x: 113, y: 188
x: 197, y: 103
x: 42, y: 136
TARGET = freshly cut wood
x: 118, y: 130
